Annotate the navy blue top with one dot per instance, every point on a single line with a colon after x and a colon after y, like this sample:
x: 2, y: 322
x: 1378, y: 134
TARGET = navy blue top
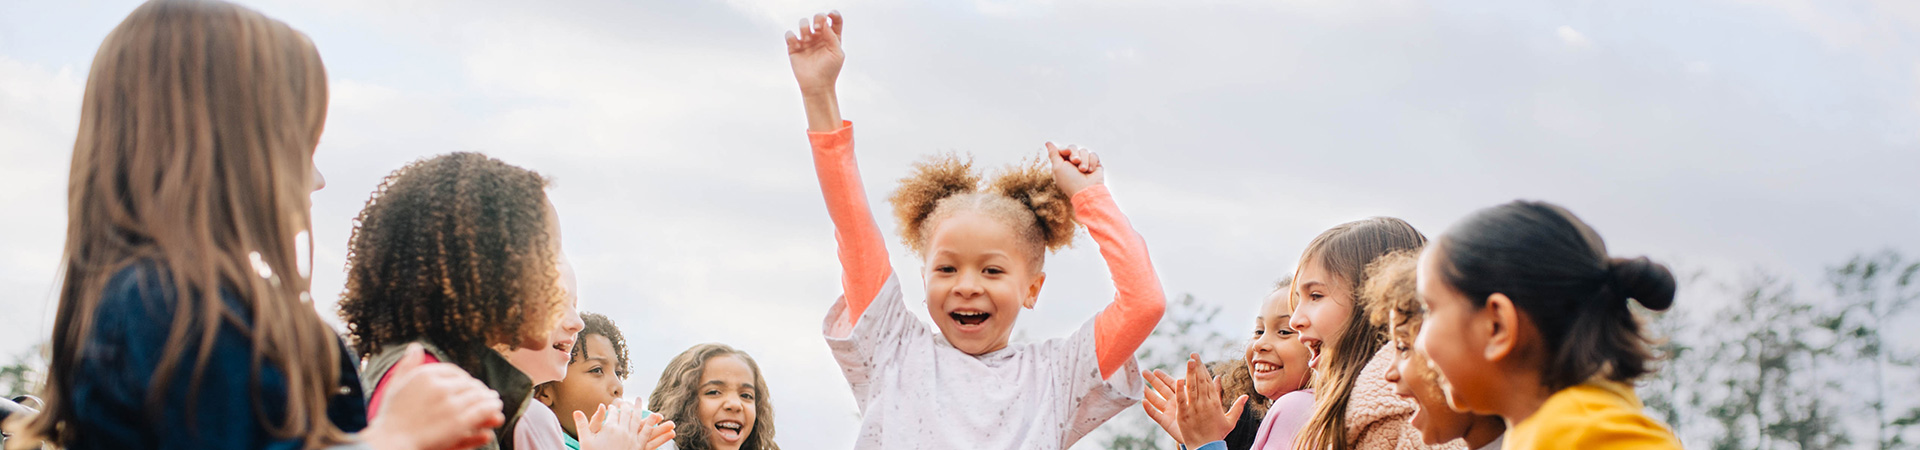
x: 116, y: 368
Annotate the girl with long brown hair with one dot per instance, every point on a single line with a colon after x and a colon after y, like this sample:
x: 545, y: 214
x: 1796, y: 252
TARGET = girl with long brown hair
x: 184, y: 316
x: 1354, y: 407
x: 717, y: 397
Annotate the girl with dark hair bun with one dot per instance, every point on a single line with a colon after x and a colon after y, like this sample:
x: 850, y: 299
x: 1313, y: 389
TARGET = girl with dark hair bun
x: 1528, y: 319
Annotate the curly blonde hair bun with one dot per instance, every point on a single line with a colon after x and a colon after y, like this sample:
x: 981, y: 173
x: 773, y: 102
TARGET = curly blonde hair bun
x: 1023, y: 196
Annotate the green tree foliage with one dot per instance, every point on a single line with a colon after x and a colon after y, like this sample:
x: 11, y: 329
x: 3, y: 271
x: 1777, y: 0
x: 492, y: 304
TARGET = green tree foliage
x: 25, y: 374
x: 1872, y: 290
x: 1777, y: 368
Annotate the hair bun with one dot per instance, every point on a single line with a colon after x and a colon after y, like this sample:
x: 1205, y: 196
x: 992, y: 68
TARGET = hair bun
x: 1033, y: 186
x: 1642, y: 280
x: 937, y: 177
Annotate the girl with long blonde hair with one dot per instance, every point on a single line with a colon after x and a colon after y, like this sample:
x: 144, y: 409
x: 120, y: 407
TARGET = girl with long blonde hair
x: 184, y: 319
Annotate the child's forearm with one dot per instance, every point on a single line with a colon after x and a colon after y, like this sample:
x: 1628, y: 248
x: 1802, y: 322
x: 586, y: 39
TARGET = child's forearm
x: 823, y: 109
x: 1138, y: 301
x: 863, y: 252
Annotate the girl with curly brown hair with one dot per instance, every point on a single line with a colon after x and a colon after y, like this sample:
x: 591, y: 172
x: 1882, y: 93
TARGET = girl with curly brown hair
x: 960, y: 383
x: 460, y: 253
x: 184, y: 316
x: 1393, y: 302
x: 719, y: 397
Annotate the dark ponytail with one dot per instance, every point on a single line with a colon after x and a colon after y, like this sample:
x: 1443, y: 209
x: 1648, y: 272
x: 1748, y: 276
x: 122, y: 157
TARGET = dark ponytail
x: 1556, y: 270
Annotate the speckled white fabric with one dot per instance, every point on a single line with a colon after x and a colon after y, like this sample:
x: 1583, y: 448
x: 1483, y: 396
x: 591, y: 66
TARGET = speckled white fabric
x: 916, y: 391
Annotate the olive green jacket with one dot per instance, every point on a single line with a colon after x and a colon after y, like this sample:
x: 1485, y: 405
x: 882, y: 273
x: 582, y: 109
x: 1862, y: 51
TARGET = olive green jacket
x: 514, y: 387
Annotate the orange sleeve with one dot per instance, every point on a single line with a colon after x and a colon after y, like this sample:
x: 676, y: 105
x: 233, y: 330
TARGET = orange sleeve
x: 863, y: 253
x: 1138, y: 301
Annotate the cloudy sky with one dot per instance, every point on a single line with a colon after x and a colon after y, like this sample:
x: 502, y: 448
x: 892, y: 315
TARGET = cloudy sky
x: 1716, y: 134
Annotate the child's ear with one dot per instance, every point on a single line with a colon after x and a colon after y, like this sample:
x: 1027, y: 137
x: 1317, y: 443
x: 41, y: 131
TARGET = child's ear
x: 1033, y: 290
x: 544, y: 396
x: 1502, y: 327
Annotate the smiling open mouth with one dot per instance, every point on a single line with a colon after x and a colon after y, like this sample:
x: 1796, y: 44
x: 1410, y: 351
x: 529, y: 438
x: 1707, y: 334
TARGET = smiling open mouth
x: 969, y: 317
x: 1263, y: 367
x: 728, y: 429
x: 1313, y: 348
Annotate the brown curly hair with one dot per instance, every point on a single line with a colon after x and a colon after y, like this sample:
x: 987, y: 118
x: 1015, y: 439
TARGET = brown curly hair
x: 1236, y: 379
x: 677, y: 396
x: 1393, y: 303
x: 456, y: 250
x: 1023, y: 196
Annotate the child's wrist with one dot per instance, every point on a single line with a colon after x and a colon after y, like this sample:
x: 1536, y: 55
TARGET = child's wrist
x: 377, y: 437
x: 817, y: 91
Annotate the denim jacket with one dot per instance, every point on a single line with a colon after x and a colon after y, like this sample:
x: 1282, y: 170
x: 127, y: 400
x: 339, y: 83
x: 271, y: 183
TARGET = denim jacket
x: 231, y: 404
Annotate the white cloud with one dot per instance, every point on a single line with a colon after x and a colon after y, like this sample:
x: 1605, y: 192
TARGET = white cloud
x: 1571, y: 37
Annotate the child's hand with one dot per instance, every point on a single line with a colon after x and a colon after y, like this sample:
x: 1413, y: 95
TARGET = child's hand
x: 1160, y: 404
x: 815, y: 52
x: 433, y: 407
x: 1199, y: 405
x: 1075, y: 168
x: 620, y: 427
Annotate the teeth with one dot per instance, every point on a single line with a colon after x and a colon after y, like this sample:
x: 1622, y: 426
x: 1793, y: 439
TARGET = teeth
x: 1262, y: 366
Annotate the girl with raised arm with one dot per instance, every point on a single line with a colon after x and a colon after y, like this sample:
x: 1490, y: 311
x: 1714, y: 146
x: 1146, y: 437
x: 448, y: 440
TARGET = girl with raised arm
x: 960, y: 384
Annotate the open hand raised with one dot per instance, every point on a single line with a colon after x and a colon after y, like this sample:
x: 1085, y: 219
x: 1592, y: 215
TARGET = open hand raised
x: 1198, y: 401
x: 815, y: 51
x: 1159, y: 403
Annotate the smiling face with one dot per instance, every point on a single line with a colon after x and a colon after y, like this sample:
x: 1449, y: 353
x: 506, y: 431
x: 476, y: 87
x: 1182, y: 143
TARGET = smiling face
x: 1324, y: 306
x: 591, y: 381
x: 1275, y: 356
x: 978, y: 277
x: 1413, y: 378
x: 727, y: 397
x: 1454, y: 337
x: 548, y: 361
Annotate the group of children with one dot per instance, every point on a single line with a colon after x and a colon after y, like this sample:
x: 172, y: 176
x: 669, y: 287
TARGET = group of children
x: 184, y: 319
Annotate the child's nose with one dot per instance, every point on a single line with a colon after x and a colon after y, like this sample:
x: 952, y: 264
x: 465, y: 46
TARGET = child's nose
x: 1298, y: 322
x: 968, y: 286
x: 1393, y: 373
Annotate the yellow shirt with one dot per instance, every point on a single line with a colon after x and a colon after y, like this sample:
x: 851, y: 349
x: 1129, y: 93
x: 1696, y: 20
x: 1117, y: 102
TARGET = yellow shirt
x: 1597, y: 415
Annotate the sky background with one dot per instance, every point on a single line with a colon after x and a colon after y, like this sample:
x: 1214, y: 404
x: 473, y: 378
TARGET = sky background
x: 1718, y: 135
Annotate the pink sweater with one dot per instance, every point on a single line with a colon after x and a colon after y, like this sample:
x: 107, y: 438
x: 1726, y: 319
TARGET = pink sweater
x: 1377, y: 418
x: 1283, y: 421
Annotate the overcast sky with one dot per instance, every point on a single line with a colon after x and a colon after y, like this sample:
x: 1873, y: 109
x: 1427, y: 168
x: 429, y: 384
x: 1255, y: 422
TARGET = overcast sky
x: 1722, y: 135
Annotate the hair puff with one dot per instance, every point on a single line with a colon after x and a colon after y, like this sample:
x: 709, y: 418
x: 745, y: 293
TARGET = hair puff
x: 938, y: 177
x: 1033, y: 186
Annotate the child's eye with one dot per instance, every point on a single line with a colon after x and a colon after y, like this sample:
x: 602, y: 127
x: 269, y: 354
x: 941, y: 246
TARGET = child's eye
x: 994, y: 271
x: 595, y: 370
x: 1315, y: 296
x: 1257, y: 332
x: 747, y: 396
x: 711, y: 392
x: 1287, y: 333
x: 945, y: 269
